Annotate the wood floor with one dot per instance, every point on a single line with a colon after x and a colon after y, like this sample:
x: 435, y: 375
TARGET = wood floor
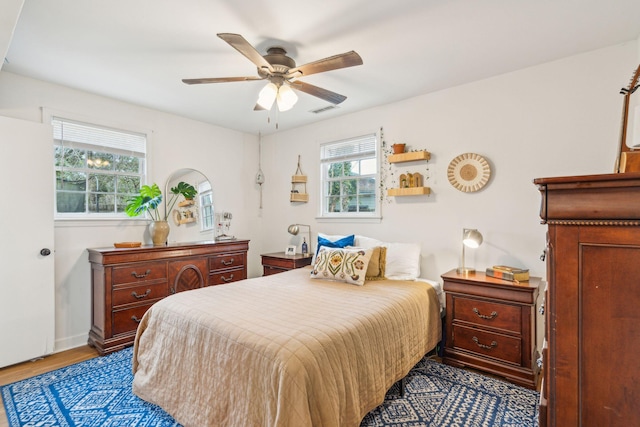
x: 25, y: 370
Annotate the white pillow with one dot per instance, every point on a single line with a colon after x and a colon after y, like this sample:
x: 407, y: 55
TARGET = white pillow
x: 403, y: 261
x: 367, y: 242
x: 342, y: 264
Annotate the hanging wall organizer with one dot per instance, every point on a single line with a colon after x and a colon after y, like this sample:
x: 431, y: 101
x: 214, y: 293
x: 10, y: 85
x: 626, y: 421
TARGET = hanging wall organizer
x: 299, y: 185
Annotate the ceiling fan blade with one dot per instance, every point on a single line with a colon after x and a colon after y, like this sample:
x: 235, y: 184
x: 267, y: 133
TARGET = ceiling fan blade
x: 343, y: 60
x: 240, y: 44
x: 220, y: 80
x: 327, y: 95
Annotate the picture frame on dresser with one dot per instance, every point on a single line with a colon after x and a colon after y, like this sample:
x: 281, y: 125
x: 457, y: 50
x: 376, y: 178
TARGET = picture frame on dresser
x: 290, y: 250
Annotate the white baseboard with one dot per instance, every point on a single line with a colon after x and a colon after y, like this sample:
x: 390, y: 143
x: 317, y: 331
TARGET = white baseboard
x: 70, y: 342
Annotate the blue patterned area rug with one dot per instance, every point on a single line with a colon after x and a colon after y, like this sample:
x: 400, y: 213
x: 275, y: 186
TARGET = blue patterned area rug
x: 97, y: 392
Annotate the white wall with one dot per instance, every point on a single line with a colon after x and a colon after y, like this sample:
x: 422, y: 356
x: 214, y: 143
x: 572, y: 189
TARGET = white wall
x: 175, y: 143
x: 559, y: 118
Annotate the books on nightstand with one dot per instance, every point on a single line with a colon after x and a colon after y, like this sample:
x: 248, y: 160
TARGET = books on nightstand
x: 506, y: 272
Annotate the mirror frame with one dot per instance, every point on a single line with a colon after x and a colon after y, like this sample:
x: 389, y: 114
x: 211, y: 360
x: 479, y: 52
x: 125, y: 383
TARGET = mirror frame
x: 173, y: 179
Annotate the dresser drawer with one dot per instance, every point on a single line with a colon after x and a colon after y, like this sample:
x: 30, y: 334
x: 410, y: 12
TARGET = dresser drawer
x: 139, y: 293
x: 494, y: 345
x: 223, y: 262
x: 135, y: 273
x: 228, y: 276
x: 127, y: 320
x: 488, y: 314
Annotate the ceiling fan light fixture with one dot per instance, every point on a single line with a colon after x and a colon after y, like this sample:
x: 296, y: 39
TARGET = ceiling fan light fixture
x: 267, y: 96
x: 286, y: 98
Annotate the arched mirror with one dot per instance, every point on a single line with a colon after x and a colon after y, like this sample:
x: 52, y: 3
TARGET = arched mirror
x: 629, y: 154
x: 190, y: 219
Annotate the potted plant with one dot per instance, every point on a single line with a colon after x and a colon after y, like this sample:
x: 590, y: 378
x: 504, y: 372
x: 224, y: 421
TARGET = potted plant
x: 149, y: 199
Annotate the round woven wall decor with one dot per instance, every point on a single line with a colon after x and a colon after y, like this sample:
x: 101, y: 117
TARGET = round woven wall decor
x: 469, y: 172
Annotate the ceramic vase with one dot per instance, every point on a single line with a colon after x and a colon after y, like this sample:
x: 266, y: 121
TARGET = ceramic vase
x: 159, y: 231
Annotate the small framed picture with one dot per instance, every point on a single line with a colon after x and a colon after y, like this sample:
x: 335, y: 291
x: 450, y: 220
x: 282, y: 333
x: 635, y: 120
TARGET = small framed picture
x: 290, y: 250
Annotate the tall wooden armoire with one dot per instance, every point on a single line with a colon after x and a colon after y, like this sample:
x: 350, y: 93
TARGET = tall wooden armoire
x: 591, y: 354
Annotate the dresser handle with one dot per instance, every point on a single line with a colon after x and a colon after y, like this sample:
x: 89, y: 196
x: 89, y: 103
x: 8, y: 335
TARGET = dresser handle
x: 227, y: 263
x: 135, y: 319
x: 484, y: 316
x: 134, y: 294
x: 486, y: 347
x: 140, y: 276
x: 224, y: 279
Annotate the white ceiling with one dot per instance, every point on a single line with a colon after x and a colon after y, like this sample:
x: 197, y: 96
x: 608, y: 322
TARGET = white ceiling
x: 138, y: 51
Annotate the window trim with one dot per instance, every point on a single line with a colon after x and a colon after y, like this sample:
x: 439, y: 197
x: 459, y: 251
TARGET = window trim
x: 374, y: 216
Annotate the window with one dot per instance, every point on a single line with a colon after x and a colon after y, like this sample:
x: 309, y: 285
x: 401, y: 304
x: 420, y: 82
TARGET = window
x: 349, y: 177
x: 206, y: 206
x: 97, y: 169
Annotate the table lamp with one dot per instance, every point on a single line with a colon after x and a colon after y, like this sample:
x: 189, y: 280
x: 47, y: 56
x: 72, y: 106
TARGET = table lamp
x: 470, y: 238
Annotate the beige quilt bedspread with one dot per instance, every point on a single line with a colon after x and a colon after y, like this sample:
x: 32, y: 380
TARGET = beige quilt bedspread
x: 282, y: 350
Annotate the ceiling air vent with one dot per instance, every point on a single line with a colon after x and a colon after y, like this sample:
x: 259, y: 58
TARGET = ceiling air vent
x: 324, y: 109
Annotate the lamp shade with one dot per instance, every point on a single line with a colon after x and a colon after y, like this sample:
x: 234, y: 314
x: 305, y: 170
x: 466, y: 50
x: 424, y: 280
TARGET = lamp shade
x: 286, y: 98
x: 293, y: 229
x: 471, y: 238
x: 267, y: 95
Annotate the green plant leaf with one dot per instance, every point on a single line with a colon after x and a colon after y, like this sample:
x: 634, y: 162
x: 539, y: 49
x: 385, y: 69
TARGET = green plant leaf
x: 187, y: 190
x: 148, y: 200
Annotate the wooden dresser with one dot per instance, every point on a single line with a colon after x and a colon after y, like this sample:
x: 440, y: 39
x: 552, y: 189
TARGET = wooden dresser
x: 278, y: 262
x: 490, y: 325
x: 592, y: 333
x: 126, y: 282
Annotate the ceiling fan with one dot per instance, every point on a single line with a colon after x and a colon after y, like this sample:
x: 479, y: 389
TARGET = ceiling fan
x: 283, y: 74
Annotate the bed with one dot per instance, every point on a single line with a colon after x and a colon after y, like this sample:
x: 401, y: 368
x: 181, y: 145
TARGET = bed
x: 282, y: 350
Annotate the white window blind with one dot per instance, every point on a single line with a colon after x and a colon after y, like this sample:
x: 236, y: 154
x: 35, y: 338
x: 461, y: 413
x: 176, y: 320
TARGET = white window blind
x: 355, y: 148
x: 92, y: 137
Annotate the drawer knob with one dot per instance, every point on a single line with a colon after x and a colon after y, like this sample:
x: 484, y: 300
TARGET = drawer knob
x: 135, y: 294
x: 493, y: 314
x: 230, y: 262
x: 484, y: 346
x: 135, y: 319
x: 224, y: 279
x: 140, y: 276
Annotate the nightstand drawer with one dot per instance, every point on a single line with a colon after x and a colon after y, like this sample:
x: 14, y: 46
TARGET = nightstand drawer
x: 497, y: 346
x: 488, y: 314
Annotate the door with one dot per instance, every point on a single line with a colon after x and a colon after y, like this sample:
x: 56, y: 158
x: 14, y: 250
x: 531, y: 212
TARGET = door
x: 27, y: 298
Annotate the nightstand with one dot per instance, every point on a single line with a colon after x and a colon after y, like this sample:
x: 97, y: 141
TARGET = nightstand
x: 491, y: 324
x: 278, y: 262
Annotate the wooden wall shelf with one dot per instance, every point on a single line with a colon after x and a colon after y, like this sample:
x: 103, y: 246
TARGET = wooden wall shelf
x: 411, y: 191
x: 299, y: 197
x: 409, y: 157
